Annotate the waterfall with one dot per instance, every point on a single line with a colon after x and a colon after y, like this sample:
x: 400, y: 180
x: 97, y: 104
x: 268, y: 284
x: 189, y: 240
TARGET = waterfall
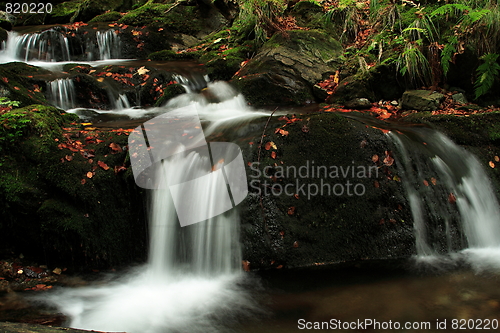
x: 452, y: 201
x: 56, y: 45
x: 109, y: 45
x: 193, y: 281
x: 122, y: 102
x: 62, y: 93
x: 49, y: 45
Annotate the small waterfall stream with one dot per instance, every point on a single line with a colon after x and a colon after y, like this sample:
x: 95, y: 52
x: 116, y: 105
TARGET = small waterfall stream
x: 451, y: 198
x: 62, y: 93
x: 57, y: 45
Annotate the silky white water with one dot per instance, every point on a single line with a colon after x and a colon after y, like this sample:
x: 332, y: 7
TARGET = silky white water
x: 463, y: 195
x: 193, y: 281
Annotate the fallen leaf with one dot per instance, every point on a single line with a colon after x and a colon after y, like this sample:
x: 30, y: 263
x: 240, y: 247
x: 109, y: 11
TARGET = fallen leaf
x: 296, y: 196
x: 433, y: 181
x: 492, y: 164
x: 295, y: 244
x: 83, y: 181
x: 426, y: 183
x: 388, y: 160
x: 143, y: 70
x: 90, y: 174
x: 103, y: 165
x: 375, y: 158
x: 68, y: 158
x: 291, y: 210
x: 497, y: 159
x: 115, y: 147
x: 452, y: 199
x: 100, y: 79
x: 273, y: 154
x: 246, y: 265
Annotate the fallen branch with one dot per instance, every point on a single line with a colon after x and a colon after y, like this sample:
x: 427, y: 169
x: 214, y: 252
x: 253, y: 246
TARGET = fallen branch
x: 177, y: 3
x: 258, y: 161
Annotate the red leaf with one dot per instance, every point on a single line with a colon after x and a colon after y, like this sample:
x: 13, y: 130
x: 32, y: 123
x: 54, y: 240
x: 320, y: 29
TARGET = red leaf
x: 103, y: 165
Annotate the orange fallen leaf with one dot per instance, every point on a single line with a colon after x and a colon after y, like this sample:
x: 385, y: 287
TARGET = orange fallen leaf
x: 273, y: 154
x: 426, y: 183
x: 497, y: 159
x: 291, y: 210
x: 433, y: 181
x: 375, y: 158
x: 90, y: 174
x: 492, y: 165
x: 452, y: 199
x: 246, y: 265
x: 103, y: 165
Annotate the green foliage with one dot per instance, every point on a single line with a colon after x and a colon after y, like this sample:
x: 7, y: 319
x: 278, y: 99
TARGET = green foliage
x: 486, y: 74
x: 12, y: 125
x: 454, y: 9
x: 258, y: 17
x: 413, y: 65
x: 447, y: 54
x: 346, y: 15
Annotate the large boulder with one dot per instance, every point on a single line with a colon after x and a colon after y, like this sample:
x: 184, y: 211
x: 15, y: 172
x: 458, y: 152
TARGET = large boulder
x: 288, y: 66
x: 296, y: 214
x: 421, y: 100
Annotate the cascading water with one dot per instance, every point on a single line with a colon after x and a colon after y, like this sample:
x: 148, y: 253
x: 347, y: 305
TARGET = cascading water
x: 49, y: 45
x: 54, y: 45
x: 193, y: 279
x: 451, y: 198
x: 109, y: 45
x: 62, y: 93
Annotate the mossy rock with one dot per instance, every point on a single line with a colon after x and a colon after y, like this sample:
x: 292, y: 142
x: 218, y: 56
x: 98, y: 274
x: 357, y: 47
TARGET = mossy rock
x: 302, y: 227
x: 308, y: 14
x: 89, y: 9
x: 288, y: 66
x: 107, y: 17
x: 169, y: 55
x: 170, y: 92
x: 185, y: 19
x: 47, y: 208
x: 64, y: 12
x: 18, y: 83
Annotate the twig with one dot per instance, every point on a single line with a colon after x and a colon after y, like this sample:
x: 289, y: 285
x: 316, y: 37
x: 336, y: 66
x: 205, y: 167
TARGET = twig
x: 177, y: 3
x: 258, y: 161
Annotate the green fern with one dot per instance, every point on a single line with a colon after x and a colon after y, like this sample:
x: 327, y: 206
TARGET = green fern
x: 447, y: 54
x: 486, y: 74
x: 451, y: 9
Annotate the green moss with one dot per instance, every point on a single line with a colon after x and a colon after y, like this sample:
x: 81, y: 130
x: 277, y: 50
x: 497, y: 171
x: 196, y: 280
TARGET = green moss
x: 183, y: 19
x: 170, y: 92
x: 64, y: 12
x: 169, y: 55
x: 107, y: 17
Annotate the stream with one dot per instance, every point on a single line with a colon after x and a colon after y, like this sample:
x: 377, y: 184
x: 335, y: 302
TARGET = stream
x: 193, y: 280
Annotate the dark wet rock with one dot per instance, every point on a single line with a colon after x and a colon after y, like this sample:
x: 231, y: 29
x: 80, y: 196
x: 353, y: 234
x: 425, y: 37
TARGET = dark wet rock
x: 292, y: 229
x: 287, y: 67
x: 6, y: 327
x: 421, y: 100
x: 358, y: 103
x: 380, y: 82
x: 4, y: 24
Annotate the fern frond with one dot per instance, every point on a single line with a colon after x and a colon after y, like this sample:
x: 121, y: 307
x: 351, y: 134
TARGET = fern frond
x: 487, y: 72
x: 447, y: 54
